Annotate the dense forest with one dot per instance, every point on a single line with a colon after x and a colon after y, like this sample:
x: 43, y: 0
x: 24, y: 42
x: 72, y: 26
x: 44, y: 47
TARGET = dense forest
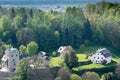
x: 97, y: 24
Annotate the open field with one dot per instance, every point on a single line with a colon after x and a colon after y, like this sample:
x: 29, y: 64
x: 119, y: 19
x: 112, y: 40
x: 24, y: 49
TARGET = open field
x: 57, y: 61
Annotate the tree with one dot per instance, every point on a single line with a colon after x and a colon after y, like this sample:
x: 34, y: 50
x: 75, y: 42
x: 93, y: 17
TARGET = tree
x: 64, y: 74
x: 109, y: 76
x: 23, y: 15
x: 2, y: 48
x: 118, y: 71
x: 87, y: 31
x: 32, y: 48
x: 22, y: 69
x: 75, y: 77
x: 12, y: 13
x: 23, y: 49
x: 90, y: 76
x: 25, y: 35
x: 4, y: 23
x: 17, y: 23
x: 70, y: 57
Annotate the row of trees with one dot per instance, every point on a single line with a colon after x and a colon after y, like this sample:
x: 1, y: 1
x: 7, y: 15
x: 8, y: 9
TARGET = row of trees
x: 98, y: 24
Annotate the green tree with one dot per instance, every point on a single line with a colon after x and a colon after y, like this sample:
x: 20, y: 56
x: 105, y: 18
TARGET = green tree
x: 118, y: 71
x: 17, y: 22
x: 109, y: 76
x: 22, y: 69
x: 23, y: 49
x: 87, y: 31
x: 25, y: 35
x: 64, y: 74
x: 32, y: 48
x: 70, y: 57
x: 90, y: 76
x: 12, y: 13
x: 75, y: 77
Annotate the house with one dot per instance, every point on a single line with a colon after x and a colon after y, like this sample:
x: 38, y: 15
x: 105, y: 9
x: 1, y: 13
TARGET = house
x: 63, y: 50
x: 102, y: 56
x: 44, y: 55
x: 10, y: 60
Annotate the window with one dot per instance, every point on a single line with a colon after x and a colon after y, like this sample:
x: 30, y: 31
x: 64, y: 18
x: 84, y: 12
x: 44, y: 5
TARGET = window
x: 14, y: 64
x: 11, y: 55
x: 13, y: 59
x: 16, y: 55
x: 98, y: 57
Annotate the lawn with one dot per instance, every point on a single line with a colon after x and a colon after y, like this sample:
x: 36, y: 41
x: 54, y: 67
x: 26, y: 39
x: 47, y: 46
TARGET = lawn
x: 57, y: 62
x: 81, y: 54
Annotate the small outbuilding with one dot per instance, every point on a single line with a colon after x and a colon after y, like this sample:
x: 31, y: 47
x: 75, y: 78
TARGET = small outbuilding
x: 102, y: 56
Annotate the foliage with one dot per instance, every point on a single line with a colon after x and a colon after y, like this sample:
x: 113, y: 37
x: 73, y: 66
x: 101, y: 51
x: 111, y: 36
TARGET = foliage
x: 22, y: 69
x: 90, y: 76
x: 19, y: 26
x: 64, y: 74
x: 109, y: 76
x: 23, y: 49
x: 75, y: 77
x: 70, y: 58
x: 118, y: 71
x: 32, y: 48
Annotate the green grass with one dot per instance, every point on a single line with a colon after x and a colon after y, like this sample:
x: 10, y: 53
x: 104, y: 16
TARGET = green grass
x: 81, y: 57
x: 56, y: 61
x: 94, y: 66
x: 81, y: 54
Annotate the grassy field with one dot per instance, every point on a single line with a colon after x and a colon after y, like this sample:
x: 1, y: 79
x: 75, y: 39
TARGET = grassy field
x: 81, y: 54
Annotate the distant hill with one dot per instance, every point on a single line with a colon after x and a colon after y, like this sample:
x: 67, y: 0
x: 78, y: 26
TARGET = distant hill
x: 33, y: 2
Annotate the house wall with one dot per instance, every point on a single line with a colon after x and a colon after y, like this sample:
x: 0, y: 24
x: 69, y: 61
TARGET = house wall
x: 13, y: 61
x: 109, y: 59
x: 98, y: 57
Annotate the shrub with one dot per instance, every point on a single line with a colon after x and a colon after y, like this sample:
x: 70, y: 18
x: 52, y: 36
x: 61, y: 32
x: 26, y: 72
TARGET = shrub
x: 82, y: 46
x: 109, y: 76
x: 54, y: 54
x: 58, y: 78
x: 64, y: 74
x: 118, y: 71
x: 75, y: 77
x: 90, y: 76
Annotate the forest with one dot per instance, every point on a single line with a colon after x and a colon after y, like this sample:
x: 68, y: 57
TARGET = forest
x: 98, y: 24
x: 33, y: 30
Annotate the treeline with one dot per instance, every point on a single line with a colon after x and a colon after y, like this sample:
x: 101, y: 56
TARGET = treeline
x: 105, y: 22
x: 98, y: 24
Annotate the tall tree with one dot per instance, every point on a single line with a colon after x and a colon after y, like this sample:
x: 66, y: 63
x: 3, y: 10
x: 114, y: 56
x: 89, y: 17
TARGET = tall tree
x: 32, y: 48
x: 87, y: 31
x: 25, y: 35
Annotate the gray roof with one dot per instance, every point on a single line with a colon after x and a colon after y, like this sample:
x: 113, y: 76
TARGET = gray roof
x: 106, y: 53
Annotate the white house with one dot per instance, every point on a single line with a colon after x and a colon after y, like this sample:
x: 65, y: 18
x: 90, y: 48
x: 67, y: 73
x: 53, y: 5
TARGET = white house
x: 10, y: 60
x: 63, y: 50
x: 102, y: 56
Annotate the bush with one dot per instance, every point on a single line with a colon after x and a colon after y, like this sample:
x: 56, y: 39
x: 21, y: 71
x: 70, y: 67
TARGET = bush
x: 75, y: 77
x: 90, y: 76
x: 58, y: 78
x: 118, y: 71
x: 109, y: 76
x: 54, y: 54
x: 64, y: 74
x: 82, y: 46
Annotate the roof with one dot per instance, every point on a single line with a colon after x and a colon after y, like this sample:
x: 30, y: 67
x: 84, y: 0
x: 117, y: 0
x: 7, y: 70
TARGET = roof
x: 11, y: 50
x: 106, y: 53
x: 4, y: 58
